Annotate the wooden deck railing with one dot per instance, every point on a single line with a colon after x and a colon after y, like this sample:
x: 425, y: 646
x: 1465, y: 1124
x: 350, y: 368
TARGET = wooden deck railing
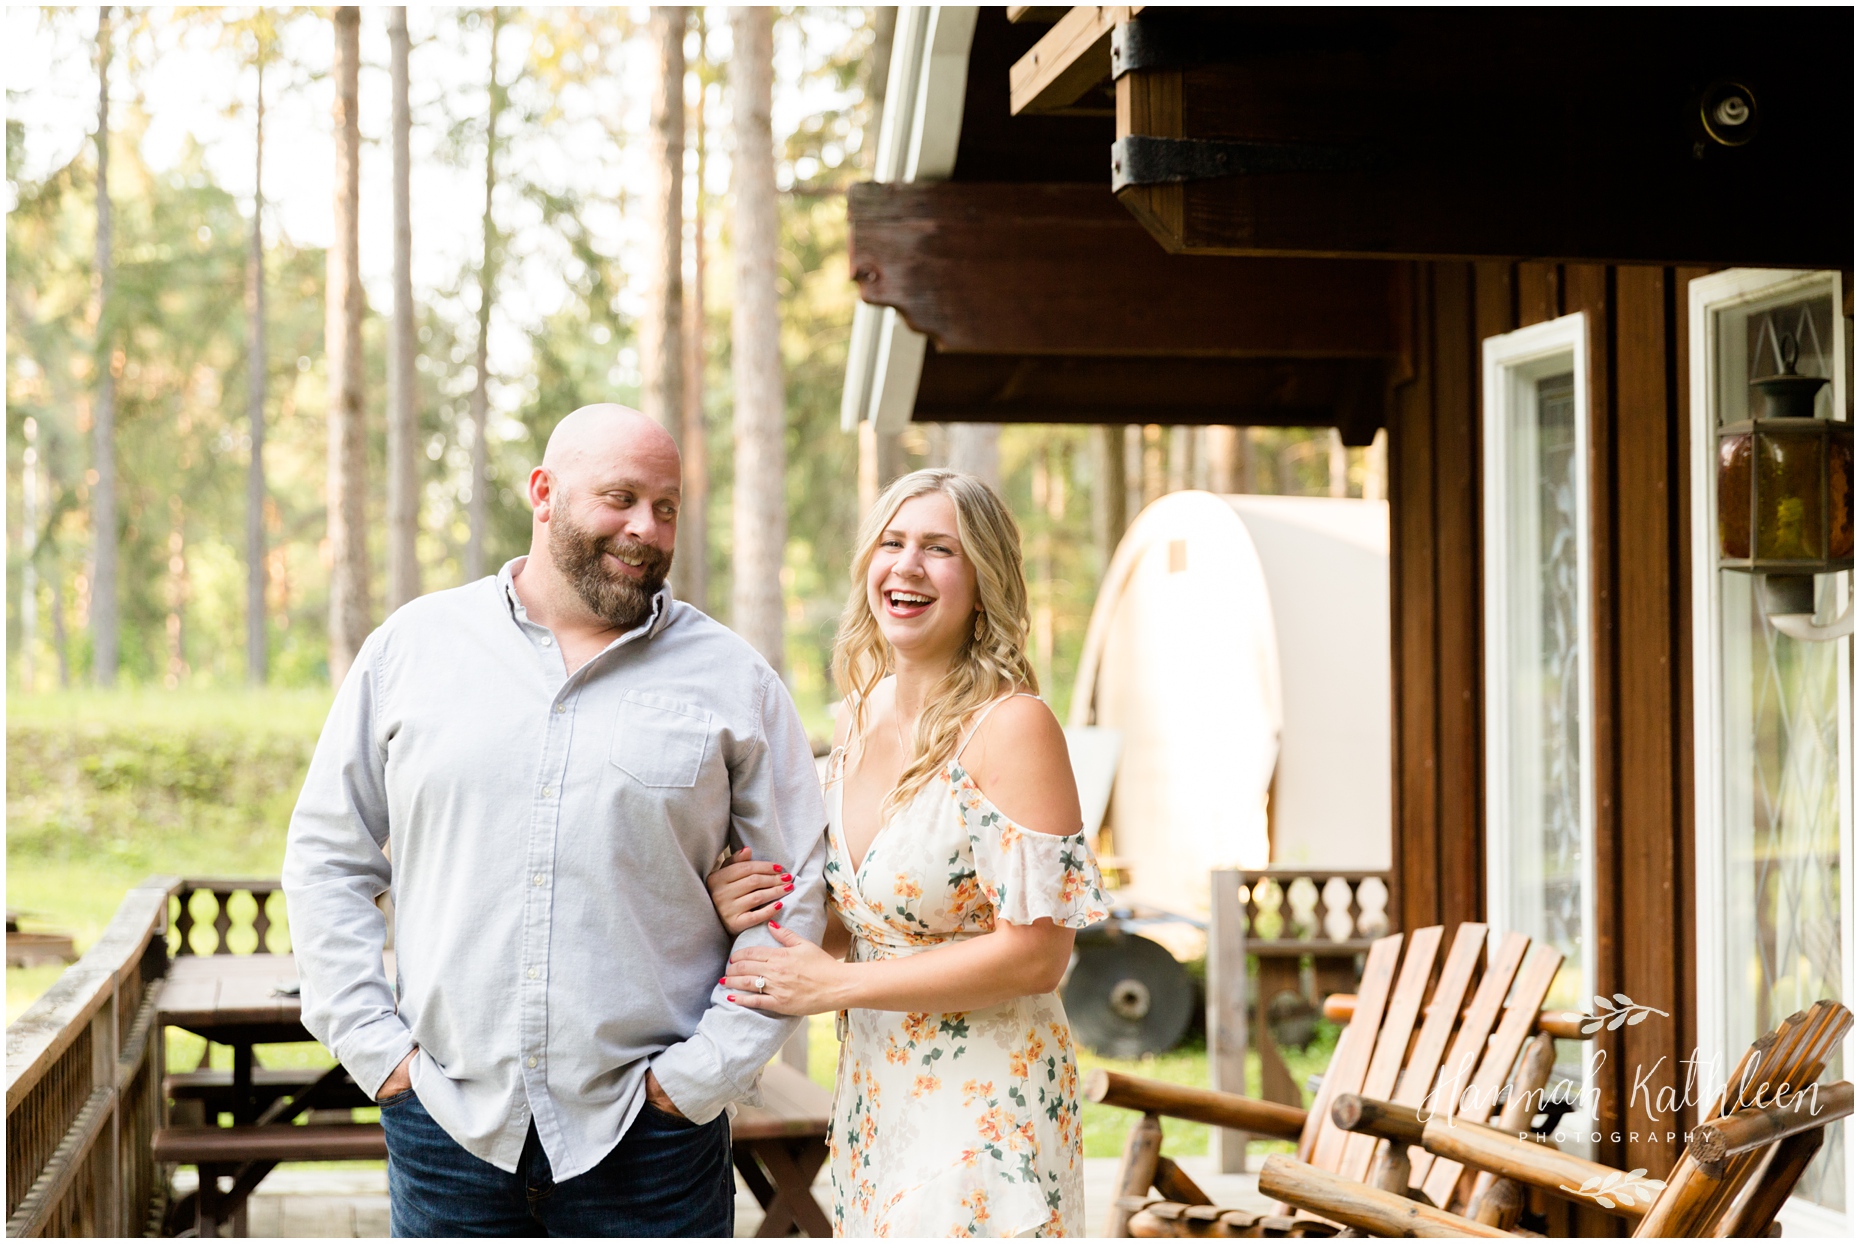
x: 84, y: 1069
x: 1278, y: 916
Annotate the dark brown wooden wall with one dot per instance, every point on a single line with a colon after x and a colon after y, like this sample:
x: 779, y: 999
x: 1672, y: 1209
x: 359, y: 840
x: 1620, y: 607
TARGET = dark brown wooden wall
x: 1642, y: 710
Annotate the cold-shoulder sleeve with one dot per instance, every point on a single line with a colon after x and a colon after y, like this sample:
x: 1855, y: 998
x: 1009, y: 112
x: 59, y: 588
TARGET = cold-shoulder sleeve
x: 1028, y: 875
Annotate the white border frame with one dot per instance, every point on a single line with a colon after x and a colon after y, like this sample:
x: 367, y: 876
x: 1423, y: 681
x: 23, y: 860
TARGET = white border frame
x: 1706, y: 296
x: 1512, y: 363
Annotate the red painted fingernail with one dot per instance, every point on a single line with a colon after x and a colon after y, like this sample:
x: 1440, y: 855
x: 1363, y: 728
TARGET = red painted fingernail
x: 787, y: 887
x: 729, y: 997
x: 777, y: 904
x: 722, y: 981
x: 775, y: 924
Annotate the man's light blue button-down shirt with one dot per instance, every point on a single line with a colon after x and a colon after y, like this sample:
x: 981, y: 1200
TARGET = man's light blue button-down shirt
x: 549, y: 836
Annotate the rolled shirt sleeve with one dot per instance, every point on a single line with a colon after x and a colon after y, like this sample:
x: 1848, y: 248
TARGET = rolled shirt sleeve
x: 334, y: 869
x: 776, y: 810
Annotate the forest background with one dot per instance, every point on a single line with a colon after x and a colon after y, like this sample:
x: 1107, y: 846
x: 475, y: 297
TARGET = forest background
x: 181, y: 764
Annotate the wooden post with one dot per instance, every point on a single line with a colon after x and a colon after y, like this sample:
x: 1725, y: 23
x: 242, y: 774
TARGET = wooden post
x: 1227, y: 987
x: 1142, y: 1151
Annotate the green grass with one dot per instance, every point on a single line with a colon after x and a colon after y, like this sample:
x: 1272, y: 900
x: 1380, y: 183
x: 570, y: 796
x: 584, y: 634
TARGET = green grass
x: 105, y: 789
x: 294, y: 711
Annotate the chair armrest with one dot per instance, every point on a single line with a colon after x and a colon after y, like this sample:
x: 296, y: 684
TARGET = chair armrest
x: 1717, y: 1142
x: 1369, y: 1210
x: 1502, y: 1153
x: 1246, y: 1114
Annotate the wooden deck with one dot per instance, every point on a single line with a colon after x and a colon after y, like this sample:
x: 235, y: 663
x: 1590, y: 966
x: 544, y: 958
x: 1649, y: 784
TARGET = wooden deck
x: 322, y: 1202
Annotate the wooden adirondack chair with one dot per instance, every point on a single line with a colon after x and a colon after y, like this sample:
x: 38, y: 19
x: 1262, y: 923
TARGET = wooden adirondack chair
x: 1453, y: 1049
x: 1737, y: 1171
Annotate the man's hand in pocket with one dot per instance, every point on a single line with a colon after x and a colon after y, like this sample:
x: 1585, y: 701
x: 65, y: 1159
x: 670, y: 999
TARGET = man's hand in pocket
x: 400, y: 1080
x: 659, y: 1098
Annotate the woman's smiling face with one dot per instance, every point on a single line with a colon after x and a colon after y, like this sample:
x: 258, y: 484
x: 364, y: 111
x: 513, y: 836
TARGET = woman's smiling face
x: 920, y: 586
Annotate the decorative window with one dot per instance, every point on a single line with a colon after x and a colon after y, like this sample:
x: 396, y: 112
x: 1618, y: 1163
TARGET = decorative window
x: 1540, y: 772
x: 1773, y: 747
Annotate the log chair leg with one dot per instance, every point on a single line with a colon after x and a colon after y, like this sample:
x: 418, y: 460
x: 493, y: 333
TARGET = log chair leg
x: 1394, y: 1171
x: 1173, y: 1182
x: 1142, y: 1150
x: 1500, y: 1205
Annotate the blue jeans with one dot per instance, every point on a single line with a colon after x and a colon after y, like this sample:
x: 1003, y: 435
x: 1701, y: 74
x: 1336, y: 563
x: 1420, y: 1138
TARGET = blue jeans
x: 666, y: 1177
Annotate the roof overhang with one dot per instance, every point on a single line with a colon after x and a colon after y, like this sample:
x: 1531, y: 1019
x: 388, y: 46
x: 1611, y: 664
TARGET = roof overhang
x: 1001, y: 281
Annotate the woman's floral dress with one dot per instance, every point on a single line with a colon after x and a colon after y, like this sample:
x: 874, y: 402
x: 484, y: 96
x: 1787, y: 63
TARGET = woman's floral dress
x: 964, y: 1123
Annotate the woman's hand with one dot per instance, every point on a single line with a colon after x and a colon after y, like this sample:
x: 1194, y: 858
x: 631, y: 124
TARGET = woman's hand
x: 747, y: 892
x: 794, y: 978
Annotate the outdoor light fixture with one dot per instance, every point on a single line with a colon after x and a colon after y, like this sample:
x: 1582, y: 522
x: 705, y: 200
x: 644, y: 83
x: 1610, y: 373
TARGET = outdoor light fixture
x: 1786, y: 498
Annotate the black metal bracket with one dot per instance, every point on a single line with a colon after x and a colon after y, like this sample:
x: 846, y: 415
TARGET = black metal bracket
x: 1141, y: 160
x: 1138, y: 45
x: 1184, y: 39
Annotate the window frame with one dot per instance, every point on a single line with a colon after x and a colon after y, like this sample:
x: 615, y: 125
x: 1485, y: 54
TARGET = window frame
x: 1513, y: 363
x: 1707, y: 297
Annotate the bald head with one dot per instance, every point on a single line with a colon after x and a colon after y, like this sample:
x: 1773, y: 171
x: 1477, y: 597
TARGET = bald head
x: 603, y: 517
x: 598, y: 440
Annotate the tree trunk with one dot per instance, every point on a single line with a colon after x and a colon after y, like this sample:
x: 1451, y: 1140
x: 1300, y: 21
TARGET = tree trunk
x: 103, y: 613
x: 29, y: 555
x: 403, y: 430
x: 976, y: 448
x: 881, y: 454
x: 342, y: 340
x: 257, y: 646
x: 661, y: 328
x: 761, y: 509
x: 1181, y: 454
x: 1376, y: 468
x: 487, y: 279
x: 694, y: 514
x: 1109, y: 500
x: 1220, y: 442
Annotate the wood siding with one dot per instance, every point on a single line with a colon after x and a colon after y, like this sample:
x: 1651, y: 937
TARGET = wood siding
x: 1642, y: 707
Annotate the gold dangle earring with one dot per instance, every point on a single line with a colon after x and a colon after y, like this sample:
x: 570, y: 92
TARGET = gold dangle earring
x: 981, y: 624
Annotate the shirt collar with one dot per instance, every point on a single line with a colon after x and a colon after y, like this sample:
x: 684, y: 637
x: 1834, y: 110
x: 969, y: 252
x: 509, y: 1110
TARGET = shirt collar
x: 657, y: 620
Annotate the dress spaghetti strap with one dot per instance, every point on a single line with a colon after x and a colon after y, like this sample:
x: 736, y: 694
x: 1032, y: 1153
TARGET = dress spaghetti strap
x: 977, y: 723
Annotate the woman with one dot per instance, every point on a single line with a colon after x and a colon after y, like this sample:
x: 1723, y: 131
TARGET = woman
x: 957, y: 872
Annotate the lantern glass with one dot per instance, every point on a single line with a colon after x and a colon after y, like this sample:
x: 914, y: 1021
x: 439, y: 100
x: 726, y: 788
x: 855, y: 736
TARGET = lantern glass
x: 1734, y: 496
x: 1841, y: 497
x: 1789, y: 508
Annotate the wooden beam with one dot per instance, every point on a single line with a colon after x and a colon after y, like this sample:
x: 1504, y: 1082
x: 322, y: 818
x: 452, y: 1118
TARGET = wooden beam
x: 1063, y: 270
x: 1045, y: 14
x: 1069, y: 60
x: 1348, y: 394
x: 1571, y: 135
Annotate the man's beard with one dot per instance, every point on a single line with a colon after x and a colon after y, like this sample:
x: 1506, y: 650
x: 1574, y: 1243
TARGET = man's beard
x: 617, y: 599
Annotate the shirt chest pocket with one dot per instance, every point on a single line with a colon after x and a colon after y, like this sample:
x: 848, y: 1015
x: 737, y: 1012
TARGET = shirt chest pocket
x: 659, y: 742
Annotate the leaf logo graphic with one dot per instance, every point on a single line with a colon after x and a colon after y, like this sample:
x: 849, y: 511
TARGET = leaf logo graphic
x: 1619, y: 1187
x: 1613, y: 1013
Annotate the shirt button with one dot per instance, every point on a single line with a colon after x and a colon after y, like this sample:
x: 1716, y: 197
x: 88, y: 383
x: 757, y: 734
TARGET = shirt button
x: 532, y: 973
x: 532, y: 1060
x: 548, y: 792
x: 548, y: 640
x: 561, y: 708
x: 537, y: 879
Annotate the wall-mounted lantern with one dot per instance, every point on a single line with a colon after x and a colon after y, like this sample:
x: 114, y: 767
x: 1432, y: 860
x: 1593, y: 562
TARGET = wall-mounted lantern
x: 1786, y: 498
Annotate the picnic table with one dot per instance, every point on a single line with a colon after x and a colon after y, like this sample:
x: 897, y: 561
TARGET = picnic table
x: 242, y: 1001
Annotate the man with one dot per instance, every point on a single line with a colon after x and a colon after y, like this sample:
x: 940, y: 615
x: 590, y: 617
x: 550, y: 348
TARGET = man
x: 552, y: 758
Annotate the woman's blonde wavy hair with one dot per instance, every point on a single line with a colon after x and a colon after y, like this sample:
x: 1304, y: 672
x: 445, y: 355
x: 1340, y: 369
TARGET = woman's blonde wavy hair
x: 991, y: 664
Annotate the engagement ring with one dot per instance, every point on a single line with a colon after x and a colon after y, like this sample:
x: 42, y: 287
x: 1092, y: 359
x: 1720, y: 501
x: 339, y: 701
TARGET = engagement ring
x: 761, y: 985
